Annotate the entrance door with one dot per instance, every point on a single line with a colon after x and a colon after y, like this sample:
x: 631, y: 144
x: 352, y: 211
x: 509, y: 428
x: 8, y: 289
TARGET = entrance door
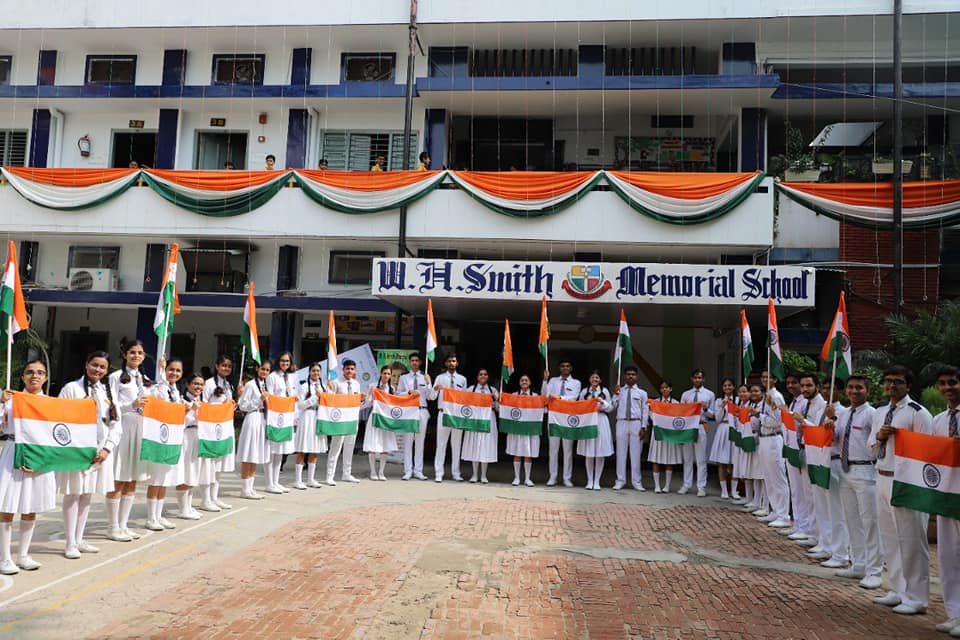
x: 503, y: 144
x: 74, y: 348
x: 137, y: 146
x: 214, y: 148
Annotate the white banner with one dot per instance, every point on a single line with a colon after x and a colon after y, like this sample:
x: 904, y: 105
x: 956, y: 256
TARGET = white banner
x: 367, y: 371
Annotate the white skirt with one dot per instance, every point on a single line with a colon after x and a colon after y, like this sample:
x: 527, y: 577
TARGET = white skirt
x: 210, y: 467
x: 525, y: 446
x: 306, y: 440
x: 24, y: 492
x: 481, y: 447
x: 602, y: 445
x: 189, y: 462
x: 379, y: 440
x: 165, y: 475
x: 127, y: 466
x: 252, y: 447
x: 662, y: 452
x: 722, y: 450
x: 97, y: 479
x: 748, y: 467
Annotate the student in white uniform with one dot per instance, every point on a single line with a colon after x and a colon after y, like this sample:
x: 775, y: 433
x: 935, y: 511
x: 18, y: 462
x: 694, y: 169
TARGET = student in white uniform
x: 737, y: 454
x: 164, y: 475
x: 281, y: 382
x: 190, y: 460
x: 804, y: 522
x: 696, y: 452
x: 415, y: 382
x: 721, y: 452
x: 858, y: 484
x: 480, y: 448
x: 130, y: 386
x: 662, y: 453
x: 379, y: 442
x: 449, y: 379
x: 523, y: 448
x: 338, y: 444
x: 770, y: 455
x: 596, y: 450
x: 78, y: 486
x: 22, y: 490
x: 839, y: 557
x: 252, y: 444
x: 633, y: 413
x: 945, y: 424
x: 217, y: 390
x: 750, y: 464
x: 903, y: 532
x: 306, y: 442
x: 566, y: 387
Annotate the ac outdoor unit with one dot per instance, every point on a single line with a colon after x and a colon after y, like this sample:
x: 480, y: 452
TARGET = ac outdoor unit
x: 91, y: 279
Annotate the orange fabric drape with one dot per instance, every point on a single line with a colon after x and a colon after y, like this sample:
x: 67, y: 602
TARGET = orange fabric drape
x: 69, y: 177
x: 216, y: 180
x: 880, y: 194
x: 525, y: 185
x: 367, y: 180
x: 685, y: 186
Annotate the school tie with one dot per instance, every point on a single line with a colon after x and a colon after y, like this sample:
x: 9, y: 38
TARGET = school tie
x: 629, y: 415
x: 170, y: 393
x: 563, y: 387
x: 845, y: 447
x: 696, y: 395
x: 887, y: 420
x: 953, y: 424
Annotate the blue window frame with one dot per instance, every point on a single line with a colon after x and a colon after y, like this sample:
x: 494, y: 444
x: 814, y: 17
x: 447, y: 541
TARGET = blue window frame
x: 367, y: 67
x: 238, y: 68
x: 6, y: 69
x: 110, y: 69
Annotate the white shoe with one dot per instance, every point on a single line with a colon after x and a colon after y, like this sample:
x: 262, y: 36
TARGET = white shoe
x: 274, y: 490
x: 406, y: 476
x: 300, y: 486
x: 473, y: 479
x: 684, y: 489
x: 735, y: 496
x: 891, y: 599
x: 485, y: 481
x: 567, y: 483
x: 701, y: 493
x: 949, y: 625
x: 166, y: 524
x: 153, y: 525
x: 955, y: 633
x: 223, y: 505
x: 382, y: 477
x: 640, y: 488
x: 657, y: 490
x: 796, y: 535
x: 908, y: 609
x: 749, y: 507
x: 209, y: 506
x: 86, y: 547
x: 117, y: 535
x: 419, y: 476
x: 189, y: 515
x: 724, y: 496
x: 815, y: 549
x: 528, y: 482
x: 596, y: 486
x: 849, y: 572
x: 779, y: 524
x: 871, y: 582
x: 458, y: 478
x: 739, y: 500
x: 807, y: 542
x: 770, y: 517
x: 516, y: 482
x: 787, y: 531
x: 438, y: 479
x: 822, y: 555
x: 330, y: 482
x: 28, y: 564
x: 552, y: 482
x: 760, y: 513
x: 349, y: 478
x: 374, y: 477
x: 833, y: 564
x: 71, y: 552
x: 617, y: 486
x: 133, y: 533
x: 313, y: 484
x: 8, y: 568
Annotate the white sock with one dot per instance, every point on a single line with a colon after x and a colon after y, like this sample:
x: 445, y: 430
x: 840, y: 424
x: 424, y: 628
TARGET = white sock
x: 527, y: 467
x: 299, y: 471
x: 589, y: 467
x: 151, y: 510
x: 656, y: 481
x: 26, y: 537
x: 383, y: 464
x: 483, y: 470
x: 516, y: 470
x: 268, y: 474
x: 749, y: 491
x: 6, y: 537
x: 205, y: 492
x: 723, y: 489
x: 215, y: 487
x: 669, y: 476
x: 476, y: 467
x: 183, y: 500
x: 159, y: 508
x: 277, y: 461
x: 598, y: 470
x: 83, y: 512
x: 372, y: 457
x: 312, y: 471
x: 113, y: 512
x: 126, y: 505
x: 70, y: 519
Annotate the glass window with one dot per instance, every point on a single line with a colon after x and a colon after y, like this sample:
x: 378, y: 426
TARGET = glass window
x: 368, y: 67
x: 240, y: 68
x: 111, y: 69
x: 352, y: 267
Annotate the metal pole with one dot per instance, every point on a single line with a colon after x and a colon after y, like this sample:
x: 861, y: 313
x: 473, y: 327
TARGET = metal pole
x: 407, y: 126
x: 898, y: 156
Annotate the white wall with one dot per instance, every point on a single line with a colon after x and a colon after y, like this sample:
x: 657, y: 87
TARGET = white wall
x: 799, y: 227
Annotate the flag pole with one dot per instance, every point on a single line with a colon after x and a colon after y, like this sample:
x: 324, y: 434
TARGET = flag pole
x: 9, y: 347
x: 833, y: 377
x: 243, y: 355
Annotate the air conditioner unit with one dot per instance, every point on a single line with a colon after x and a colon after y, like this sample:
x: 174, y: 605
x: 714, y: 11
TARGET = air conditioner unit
x: 92, y: 279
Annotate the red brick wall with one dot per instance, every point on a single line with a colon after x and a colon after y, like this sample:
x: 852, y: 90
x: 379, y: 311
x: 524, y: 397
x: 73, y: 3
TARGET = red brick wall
x: 870, y: 297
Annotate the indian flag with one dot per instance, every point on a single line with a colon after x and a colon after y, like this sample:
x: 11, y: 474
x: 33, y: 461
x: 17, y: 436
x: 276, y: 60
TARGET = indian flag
x: 249, y: 333
x: 431, y: 333
x: 339, y: 413
x: 281, y: 413
x: 926, y: 473
x: 791, y: 443
x: 573, y: 419
x: 521, y: 415
x: 734, y: 410
x: 746, y: 345
x: 773, y: 342
x: 837, y: 347
x: 333, y: 364
x: 817, y: 442
x: 11, y: 296
x: 748, y: 439
x: 507, y: 369
x: 467, y: 410
x: 215, y: 429
x: 168, y: 305
x: 544, y: 336
x: 54, y: 434
x: 162, y: 431
x: 624, y: 345
x: 676, y: 422
x: 395, y: 413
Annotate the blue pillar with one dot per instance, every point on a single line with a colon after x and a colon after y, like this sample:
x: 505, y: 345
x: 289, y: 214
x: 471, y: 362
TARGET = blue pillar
x: 297, y: 139
x: 39, y: 138
x: 283, y: 326
x: 300, y: 69
x: 174, y: 67
x: 146, y: 335
x: 435, y: 139
x: 167, y: 138
x: 753, y: 137
x: 47, y: 68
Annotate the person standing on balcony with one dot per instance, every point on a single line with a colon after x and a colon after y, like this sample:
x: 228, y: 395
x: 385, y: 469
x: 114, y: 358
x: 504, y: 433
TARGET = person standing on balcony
x: 379, y: 164
x: 424, y: 162
x: 270, y: 163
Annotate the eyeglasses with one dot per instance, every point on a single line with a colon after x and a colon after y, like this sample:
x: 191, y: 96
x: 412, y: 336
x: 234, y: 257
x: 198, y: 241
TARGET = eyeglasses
x: 34, y: 374
x: 896, y: 381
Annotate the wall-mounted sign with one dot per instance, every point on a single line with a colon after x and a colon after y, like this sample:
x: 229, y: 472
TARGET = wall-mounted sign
x: 136, y: 124
x: 218, y: 122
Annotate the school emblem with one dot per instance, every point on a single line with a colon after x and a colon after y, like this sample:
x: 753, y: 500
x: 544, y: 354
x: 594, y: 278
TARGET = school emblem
x: 335, y: 415
x: 164, y: 433
x: 396, y: 412
x: 679, y: 423
x: 466, y: 411
x: 61, y: 434
x: 586, y: 282
x: 931, y: 476
x: 573, y: 421
x: 515, y: 413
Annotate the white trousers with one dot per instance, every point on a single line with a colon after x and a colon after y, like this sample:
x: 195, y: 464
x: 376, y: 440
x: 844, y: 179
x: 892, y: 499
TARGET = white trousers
x: 338, y: 444
x: 829, y: 511
x: 455, y: 438
x: 858, y: 497
x: 801, y: 497
x: 628, y: 441
x: 695, y: 452
x: 567, y: 458
x: 413, y: 447
x: 770, y: 450
x: 948, y: 551
x: 903, y: 534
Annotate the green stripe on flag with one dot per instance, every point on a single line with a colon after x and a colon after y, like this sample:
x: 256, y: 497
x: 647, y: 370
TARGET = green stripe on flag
x: 734, y: 436
x: 748, y: 443
x: 520, y: 427
x: 792, y: 456
x: 465, y: 424
x: 573, y: 433
x: 676, y: 436
x: 279, y: 434
x: 215, y: 448
x: 396, y: 425
x: 819, y: 475
x: 931, y: 501
x: 151, y: 451
x: 336, y: 428
x: 45, y: 458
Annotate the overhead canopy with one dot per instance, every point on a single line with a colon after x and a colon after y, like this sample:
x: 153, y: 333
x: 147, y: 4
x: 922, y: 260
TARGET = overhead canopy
x: 845, y: 134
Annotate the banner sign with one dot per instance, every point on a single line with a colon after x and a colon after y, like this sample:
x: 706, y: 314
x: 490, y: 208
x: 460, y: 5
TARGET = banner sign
x: 595, y: 282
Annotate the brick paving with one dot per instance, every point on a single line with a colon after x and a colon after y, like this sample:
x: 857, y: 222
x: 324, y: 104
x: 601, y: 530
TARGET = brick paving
x: 524, y: 569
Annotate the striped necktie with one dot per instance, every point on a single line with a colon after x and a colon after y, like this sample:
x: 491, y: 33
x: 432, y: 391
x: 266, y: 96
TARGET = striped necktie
x: 845, y: 447
x: 887, y: 420
x: 953, y: 424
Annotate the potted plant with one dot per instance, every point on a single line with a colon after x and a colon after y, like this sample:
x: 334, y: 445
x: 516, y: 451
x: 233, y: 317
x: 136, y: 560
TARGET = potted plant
x: 800, y: 164
x: 883, y: 165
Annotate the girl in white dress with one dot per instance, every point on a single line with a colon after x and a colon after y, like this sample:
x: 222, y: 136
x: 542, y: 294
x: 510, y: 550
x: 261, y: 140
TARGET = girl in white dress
x: 524, y: 448
x: 252, y: 447
x: 481, y: 448
x: 130, y: 387
x: 597, y: 449
x: 306, y: 442
x: 737, y: 456
x: 721, y: 452
x: 78, y: 486
x: 752, y: 463
x: 379, y: 442
x: 281, y: 382
x: 22, y: 490
x: 216, y: 390
x: 664, y: 453
x: 164, y: 475
x: 190, y: 460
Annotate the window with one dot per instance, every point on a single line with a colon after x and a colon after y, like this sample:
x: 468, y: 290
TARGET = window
x: 13, y: 148
x: 368, y: 67
x: 238, y: 68
x: 29, y: 255
x: 352, y: 267
x: 356, y: 150
x: 81, y: 257
x: 111, y: 69
x: 6, y: 62
x: 215, y: 270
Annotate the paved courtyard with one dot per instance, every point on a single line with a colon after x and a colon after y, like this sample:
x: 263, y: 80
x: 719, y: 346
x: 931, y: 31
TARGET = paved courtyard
x: 451, y: 561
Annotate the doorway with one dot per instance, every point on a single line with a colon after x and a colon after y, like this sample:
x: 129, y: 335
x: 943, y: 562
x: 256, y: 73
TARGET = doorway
x: 215, y: 148
x: 139, y: 146
x: 502, y: 144
x: 74, y: 348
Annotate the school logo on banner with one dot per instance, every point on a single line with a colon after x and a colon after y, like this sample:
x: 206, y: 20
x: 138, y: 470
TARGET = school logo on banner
x: 586, y: 282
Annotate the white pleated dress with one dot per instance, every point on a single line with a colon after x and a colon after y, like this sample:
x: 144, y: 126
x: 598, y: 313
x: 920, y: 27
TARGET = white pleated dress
x: 662, y: 452
x: 482, y: 447
x: 749, y: 467
x: 602, y: 445
x: 378, y: 440
x: 127, y: 466
x: 252, y: 446
x: 524, y: 446
x: 722, y: 450
x: 190, y: 460
x: 209, y: 467
x: 167, y: 475
x: 285, y: 386
x: 306, y: 440
x: 22, y: 492
x: 98, y: 478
